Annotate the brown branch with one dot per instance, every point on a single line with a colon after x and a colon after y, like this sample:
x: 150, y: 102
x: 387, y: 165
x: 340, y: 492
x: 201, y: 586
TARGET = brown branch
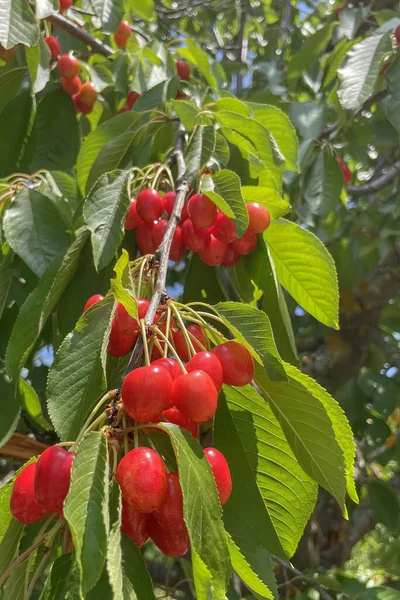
x: 82, y: 35
x: 22, y: 446
x: 379, y: 182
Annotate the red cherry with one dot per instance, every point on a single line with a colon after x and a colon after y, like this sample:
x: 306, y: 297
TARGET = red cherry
x: 88, y: 94
x: 127, y: 324
x: 221, y: 472
x: 146, y: 392
x: 149, y: 205
x: 224, y: 229
x: 169, y: 542
x: 80, y: 106
x: 132, y: 219
x: 65, y: 4
x: 177, y: 247
x: 92, y: 300
x: 237, y: 363
x: 259, y: 217
x: 214, y: 253
x: 169, y: 201
x: 71, y: 86
x: 231, y: 258
x: 170, y: 513
x: 119, y: 344
x: 120, y: 40
x: 347, y: 174
x: 180, y: 95
x: 68, y: 66
x: 170, y: 365
x: 246, y: 244
x: 124, y: 29
x: 182, y: 69
x: 184, y: 213
x: 134, y: 524
x: 144, y: 238
x: 53, y: 45
x: 142, y: 477
x: 195, y: 395
x: 52, y: 477
x: 210, y: 364
x: 202, y: 211
x: 123, y: 110
x: 24, y: 505
x: 194, y: 239
x: 339, y: 10
x: 173, y: 415
x: 397, y: 34
x: 180, y: 345
x: 131, y: 99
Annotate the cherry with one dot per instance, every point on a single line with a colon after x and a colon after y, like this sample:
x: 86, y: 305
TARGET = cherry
x: 132, y: 219
x: 194, y: 239
x: 65, y: 4
x: 134, y: 524
x: 149, y: 205
x: 347, y: 174
x: 80, y: 106
x: 127, y: 324
x: 397, y: 34
x: 122, y: 34
x: 131, y: 99
x: 210, y: 364
x: 224, y: 229
x: 170, y: 513
x: 184, y: 213
x: 144, y: 238
x: 195, y: 395
x: 202, y: 211
x: 246, y: 244
x: 123, y: 110
x: 214, y: 253
x: 180, y: 344
x: 68, y: 66
x: 142, y: 477
x: 119, y: 344
x: 180, y: 95
x: 221, y: 473
x: 88, y: 94
x: 53, y: 45
x: 182, y: 69
x: 170, y: 365
x: 173, y: 415
x: 169, y: 201
x: 231, y: 258
x: 92, y: 300
x: 169, y: 542
x: 146, y: 392
x: 52, y: 477
x: 237, y: 363
x: 259, y: 217
x: 24, y: 505
x: 71, y: 86
x: 177, y: 247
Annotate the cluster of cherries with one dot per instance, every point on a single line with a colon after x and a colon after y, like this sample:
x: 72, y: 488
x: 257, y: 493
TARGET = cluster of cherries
x: 83, y: 95
x: 203, y: 228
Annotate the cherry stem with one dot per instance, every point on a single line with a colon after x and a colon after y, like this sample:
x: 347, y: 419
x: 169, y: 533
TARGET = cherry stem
x: 145, y: 346
x: 37, y: 574
x: 126, y: 441
x: 19, y: 560
x: 174, y: 352
x: 194, y: 338
x: 39, y: 536
x: 65, y: 540
x: 167, y: 330
x: 109, y: 396
x: 139, y: 279
x: 115, y: 458
x: 190, y: 348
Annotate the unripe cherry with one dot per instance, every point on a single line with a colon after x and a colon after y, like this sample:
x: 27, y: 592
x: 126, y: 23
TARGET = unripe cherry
x: 202, y: 211
x: 131, y: 99
x: 169, y: 542
x: 132, y: 219
x: 71, y: 86
x: 214, y: 253
x: 149, y: 205
x: 210, y: 364
x: 144, y: 238
x: 169, y: 201
x: 146, y: 392
x: 65, y: 4
x: 221, y: 472
x: 173, y: 415
x: 246, y: 244
x: 180, y: 344
x: 182, y: 69
x: 53, y: 45
x: 119, y: 344
x: 88, y: 94
x: 194, y: 239
x: 195, y: 395
x: 134, y: 524
x: 170, y: 365
x: 259, y: 217
x: 170, y: 513
x: 52, y: 477
x: 68, y: 66
x: 127, y: 324
x: 24, y: 505
x: 224, y: 229
x: 231, y: 258
x: 237, y: 363
x: 347, y: 174
x: 142, y: 477
x: 92, y: 300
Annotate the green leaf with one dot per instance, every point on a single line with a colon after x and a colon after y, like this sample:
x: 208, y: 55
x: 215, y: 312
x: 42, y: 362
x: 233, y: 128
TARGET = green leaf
x: 44, y: 8
x: 63, y: 580
x: 40, y: 304
x: 200, y: 59
x: 11, y: 410
x: 114, y: 551
x: 305, y: 268
x: 392, y: 103
x: 15, y: 126
x: 18, y: 24
x: 10, y: 85
x: 249, y: 577
x: 30, y: 402
x: 10, y: 541
x: 122, y: 285
x: 6, y: 271
x: 272, y: 497
x: 104, y: 213
x: 277, y: 207
x: 308, y: 429
x: 384, y: 502
x: 336, y: 59
x: 311, y: 50
x: 221, y: 151
x: 199, y: 150
x: 325, y: 182
x: 186, y: 112
x: 38, y: 61
x: 202, y: 511
x: 35, y: 230
x: 359, y: 74
x: 223, y: 188
x: 77, y: 375
x: 201, y: 282
x: 86, y: 507
x: 233, y: 105
x: 109, y: 13
x: 252, y: 328
x: 157, y: 95
x: 142, y: 8
x: 137, y: 579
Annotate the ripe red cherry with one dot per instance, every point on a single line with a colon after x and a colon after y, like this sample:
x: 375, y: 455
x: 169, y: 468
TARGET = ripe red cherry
x: 246, y: 244
x: 65, y: 4
x: 24, y: 505
x: 231, y: 258
x: 144, y: 238
x: 195, y: 395
x: 182, y: 69
x: 259, y: 217
x: 173, y: 415
x: 177, y: 247
x: 221, y: 472
x: 180, y: 95
x: 149, y: 205
x: 127, y: 324
x: 170, y: 365
x: 194, y: 239
x: 146, y: 392
x: 180, y: 345
x: 132, y: 219
x: 53, y: 45
x: 92, y: 300
x: 202, y: 211
x: 347, y: 174
x: 119, y: 344
x: 88, y: 94
x: 397, y: 34
x: 131, y: 99
x: 142, y: 477
x: 169, y: 201
x: 224, y: 229
x: 237, y: 363
x: 52, y: 477
x: 71, y: 86
x: 80, y: 106
x: 122, y: 34
x: 169, y: 542
x: 134, y: 524
x: 170, y: 513
x: 214, y: 253
x: 210, y: 364
x: 184, y: 213
x: 68, y: 66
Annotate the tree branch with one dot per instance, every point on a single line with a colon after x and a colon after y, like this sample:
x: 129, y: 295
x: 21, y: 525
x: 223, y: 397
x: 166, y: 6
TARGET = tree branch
x: 375, y: 185
x: 286, y: 565
x: 97, y: 45
x: 242, y: 44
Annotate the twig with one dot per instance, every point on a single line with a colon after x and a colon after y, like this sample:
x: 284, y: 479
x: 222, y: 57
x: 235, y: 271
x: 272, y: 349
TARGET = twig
x: 97, y: 45
x: 18, y: 561
x: 286, y: 565
x: 242, y: 44
x: 37, y: 574
x: 374, y: 186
